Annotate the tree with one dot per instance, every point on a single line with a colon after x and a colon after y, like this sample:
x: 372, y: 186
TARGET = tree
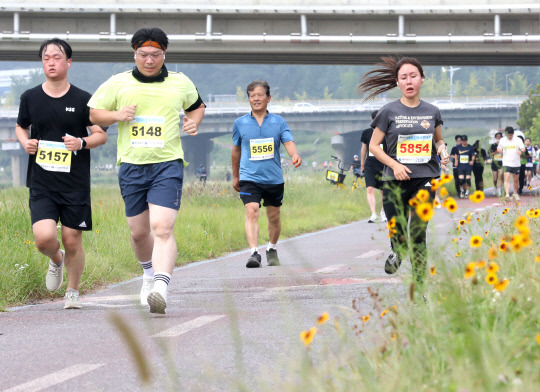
x: 327, y: 94
x: 518, y: 85
x: 529, y: 111
x: 240, y: 94
x: 301, y: 97
x: 473, y: 88
x: 494, y: 83
x: 19, y: 84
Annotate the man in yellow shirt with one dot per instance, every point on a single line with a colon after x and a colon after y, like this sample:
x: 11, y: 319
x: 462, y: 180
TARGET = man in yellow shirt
x: 147, y: 102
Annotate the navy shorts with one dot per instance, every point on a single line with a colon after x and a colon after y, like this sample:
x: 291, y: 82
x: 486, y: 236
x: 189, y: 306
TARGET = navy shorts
x: 156, y: 183
x: 510, y: 169
x: 73, y: 209
x: 464, y: 171
x: 251, y: 192
x: 496, y: 165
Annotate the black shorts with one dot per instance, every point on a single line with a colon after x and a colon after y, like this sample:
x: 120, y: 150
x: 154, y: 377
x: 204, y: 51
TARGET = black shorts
x: 511, y: 169
x: 398, y: 193
x: 496, y: 165
x: 72, y: 208
x: 529, y: 168
x: 464, y: 171
x: 373, y: 177
x: 251, y: 192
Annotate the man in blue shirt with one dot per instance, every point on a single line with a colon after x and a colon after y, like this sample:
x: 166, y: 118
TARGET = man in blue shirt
x: 257, y: 172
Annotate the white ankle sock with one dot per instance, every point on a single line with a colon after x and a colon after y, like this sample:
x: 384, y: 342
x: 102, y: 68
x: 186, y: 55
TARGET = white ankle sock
x: 271, y: 246
x: 147, y: 268
x: 161, y: 281
x: 253, y: 250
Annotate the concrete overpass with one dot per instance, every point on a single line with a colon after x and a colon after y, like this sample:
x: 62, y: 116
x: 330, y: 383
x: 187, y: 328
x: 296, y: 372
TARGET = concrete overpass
x: 445, y: 32
x: 345, y: 120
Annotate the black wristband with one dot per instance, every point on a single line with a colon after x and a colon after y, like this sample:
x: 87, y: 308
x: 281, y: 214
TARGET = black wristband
x: 83, y: 145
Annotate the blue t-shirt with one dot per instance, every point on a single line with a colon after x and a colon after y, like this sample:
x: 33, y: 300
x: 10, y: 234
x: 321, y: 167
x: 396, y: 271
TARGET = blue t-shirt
x: 246, y: 129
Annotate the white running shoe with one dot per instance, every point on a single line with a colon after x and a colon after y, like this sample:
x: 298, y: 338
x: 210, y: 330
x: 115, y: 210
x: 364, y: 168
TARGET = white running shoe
x: 499, y: 192
x: 55, y: 275
x: 157, y: 302
x: 383, y: 216
x: 72, y: 299
x: 147, y: 285
x: 373, y: 218
x: 516, y: 197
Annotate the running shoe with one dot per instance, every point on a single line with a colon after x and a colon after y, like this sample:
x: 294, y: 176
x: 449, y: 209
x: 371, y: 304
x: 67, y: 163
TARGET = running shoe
x: 72, y: 299
x: 466, y: 193
x: 462, y: 194
x: 157, y: 302
x: 55, y: 275
x: 499, y: 192
x: 254, y: 260
x: 147, y: 285
x: 372, y: 219
x: 383, y: 216
x: 392, y: 263
x: 272, y: 257
x: 516, y: 197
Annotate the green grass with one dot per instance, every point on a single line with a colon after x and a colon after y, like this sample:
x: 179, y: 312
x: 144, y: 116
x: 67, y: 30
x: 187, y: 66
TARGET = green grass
x: 210, y: 224
x: 468, y: 336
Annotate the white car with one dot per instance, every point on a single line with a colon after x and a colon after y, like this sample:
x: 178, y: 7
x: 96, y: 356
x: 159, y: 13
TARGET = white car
x: 445, y: 104
x: 305, y: 107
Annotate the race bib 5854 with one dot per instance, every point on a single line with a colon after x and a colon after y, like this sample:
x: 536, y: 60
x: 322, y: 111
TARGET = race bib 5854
x: 414, y: 148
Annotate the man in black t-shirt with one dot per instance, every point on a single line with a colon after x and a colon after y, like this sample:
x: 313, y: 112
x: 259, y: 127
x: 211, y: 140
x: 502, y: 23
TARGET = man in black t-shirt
x: 373, y: 172
x: 52, y: 128
x: 464, y: 158
x: 496, y: 164
x: 457, y: 138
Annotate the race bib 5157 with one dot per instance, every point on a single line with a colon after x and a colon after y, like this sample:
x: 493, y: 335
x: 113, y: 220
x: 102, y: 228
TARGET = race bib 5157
x: 53, y: 156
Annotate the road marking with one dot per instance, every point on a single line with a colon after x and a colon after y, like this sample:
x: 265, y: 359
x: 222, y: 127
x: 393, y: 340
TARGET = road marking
x: 371, y: 253
x: 130, y: 297
x: 55, y: 378
x: 187, y: 326
x: 330, y: 268
x: 276, y: 292
x: 330, y: 281
x: 106, y: 305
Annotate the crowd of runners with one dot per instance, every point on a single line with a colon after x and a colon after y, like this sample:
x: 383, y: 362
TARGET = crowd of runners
x: 403, y: 152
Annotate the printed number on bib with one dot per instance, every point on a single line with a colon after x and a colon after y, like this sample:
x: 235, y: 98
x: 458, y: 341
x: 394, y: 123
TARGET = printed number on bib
x: 147, y: 131
x: 53, y: 156
x: 463, y: 159
x: 261, y: 149
x: 414, y: 148
x: 371, y: 154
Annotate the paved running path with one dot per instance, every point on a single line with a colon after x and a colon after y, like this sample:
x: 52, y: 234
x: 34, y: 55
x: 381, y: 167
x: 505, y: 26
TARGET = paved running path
x: 224, y: 322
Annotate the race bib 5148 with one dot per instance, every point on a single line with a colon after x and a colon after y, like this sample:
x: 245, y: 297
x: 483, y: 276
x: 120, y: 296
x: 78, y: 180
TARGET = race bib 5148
x: 147, y: 131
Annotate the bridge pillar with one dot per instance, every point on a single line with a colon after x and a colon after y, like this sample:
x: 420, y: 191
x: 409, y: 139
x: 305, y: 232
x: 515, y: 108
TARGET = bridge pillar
x: 197, y: 151
x: 19, y: 167
x: 347, y: 145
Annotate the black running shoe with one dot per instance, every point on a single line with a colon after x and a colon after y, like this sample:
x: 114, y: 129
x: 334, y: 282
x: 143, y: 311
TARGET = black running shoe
x: 272, y: 257
x: 254, y: 260
x: 392, y: 264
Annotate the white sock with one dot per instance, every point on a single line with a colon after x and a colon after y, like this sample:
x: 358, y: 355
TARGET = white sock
x: 161, y: 281
x: 254, y: 250
x: 271, y: 246
x: 147, y: 268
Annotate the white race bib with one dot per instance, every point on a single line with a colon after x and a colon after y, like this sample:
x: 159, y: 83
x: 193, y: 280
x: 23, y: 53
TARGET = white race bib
x: 261, y: 149
x: 414, y: 148
x: 53, y: 156
x: 147, y: 131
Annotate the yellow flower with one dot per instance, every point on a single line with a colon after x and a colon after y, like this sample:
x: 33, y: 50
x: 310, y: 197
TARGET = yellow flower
x: 516, y: 243
x: 530, y: 213
x: 422, y: 195
x: 432, y: 270
x: 436, y: 203
x: 468, y: 217
x: 503, y: 247
x: 458, y: 254
x: 97, y: 231
x: 445, y: 178
x: 480, y: 264
x: 365, y: 319
x: 521, y: 221
x: 476, y: 241
x: 455, y: 240
x: 443, y: 192
x: 391, y: 232
x: 391, y: 223
x: 505, y: 211
x: 537, y: 213
x: 538, y: 339
x: 477, y: 197
x: 307, y: 336
x: 462, y: 222
x: 486, y: 232
x: 384, y: 312
x: 492, y: 253
x: 537, y: 258
x: 394, y: 338
x: 323, y: 318
x: 469, y: 270
x: 501, y: 286
x: 424, y: 211
x: 413, y: 202
x: 491, y: 278
x: 492, y: 268
x: 450, y: 204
